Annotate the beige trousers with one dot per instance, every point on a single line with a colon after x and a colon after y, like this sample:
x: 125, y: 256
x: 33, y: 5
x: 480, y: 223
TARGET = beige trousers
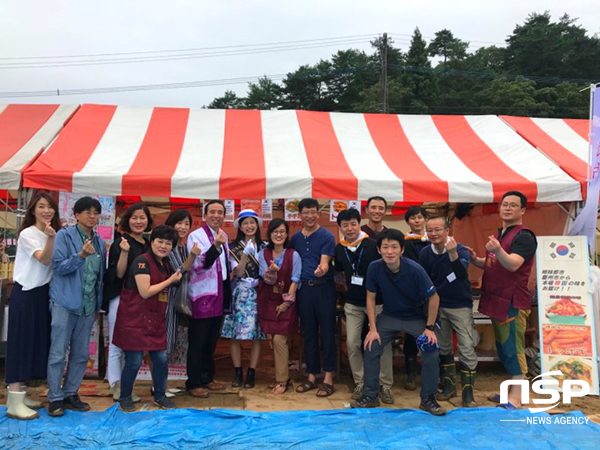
x: 281, y: 353
x: 355, y: 319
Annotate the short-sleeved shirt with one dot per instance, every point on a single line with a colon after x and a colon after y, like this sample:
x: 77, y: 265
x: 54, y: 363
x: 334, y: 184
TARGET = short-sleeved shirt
x: 310, y: 248
x: 29, y: 272
x: 356, y: 263
x: 404, y: 293
x: 141, y: 266
x: 372, y: 233
x: 524, y: 244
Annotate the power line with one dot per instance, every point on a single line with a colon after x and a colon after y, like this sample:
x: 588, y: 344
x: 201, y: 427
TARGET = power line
x: 190, y: 49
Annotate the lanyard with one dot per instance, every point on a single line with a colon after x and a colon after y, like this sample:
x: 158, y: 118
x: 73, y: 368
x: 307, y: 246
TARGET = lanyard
x: 356, y: 265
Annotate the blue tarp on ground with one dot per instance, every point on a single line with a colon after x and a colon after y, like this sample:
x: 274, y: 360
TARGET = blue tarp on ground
x: 476, y: 428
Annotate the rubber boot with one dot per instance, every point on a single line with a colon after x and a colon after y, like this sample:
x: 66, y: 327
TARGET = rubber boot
x: 250, y: 379
x: 238, y: 379
x: 411, y: 372
x: 467, y: 380
x: 31, y: 403
x: 16, y: 409
x: 449, y: 381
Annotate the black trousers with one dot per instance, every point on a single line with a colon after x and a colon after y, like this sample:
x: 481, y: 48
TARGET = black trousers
x: 203, y: 335
x: 410, y: 345
x: 316, y: 307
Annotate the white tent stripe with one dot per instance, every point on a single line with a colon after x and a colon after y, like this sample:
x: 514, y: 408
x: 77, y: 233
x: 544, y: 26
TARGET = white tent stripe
x: 199, y: 168
x: 562, y: 133
x: 373, y: 174
x: 463, y: 184
x: 115, y: 153
x: 524, y: 159
x: 286, y: 165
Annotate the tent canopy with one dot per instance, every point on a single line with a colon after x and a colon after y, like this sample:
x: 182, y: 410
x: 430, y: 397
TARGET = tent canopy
x: 25, y: 130
x: 565, y: 141
x: 204, y: 153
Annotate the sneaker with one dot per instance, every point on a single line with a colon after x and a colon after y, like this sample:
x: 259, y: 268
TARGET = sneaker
x: 165, y: 403
x: 127, y: 405
x: 432, y: 406
x: 56, y: 409
x: 73, y: 402
x: 358, y: 392
x: 386, y: 395
x: 365, y: 402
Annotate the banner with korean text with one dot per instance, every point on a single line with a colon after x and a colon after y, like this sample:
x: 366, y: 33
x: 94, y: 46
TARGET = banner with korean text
x: 567, y: 334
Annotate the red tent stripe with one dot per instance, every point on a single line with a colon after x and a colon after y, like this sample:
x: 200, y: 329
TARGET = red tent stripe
x: 55, y: 168
x: 157, y: 159
x: 580, y: 126
x: 533, y: 134
x: 243, y: 168
x: 332, y: 176
x: 480, y: 158
x: 18, y: 124
x: 418, y: 180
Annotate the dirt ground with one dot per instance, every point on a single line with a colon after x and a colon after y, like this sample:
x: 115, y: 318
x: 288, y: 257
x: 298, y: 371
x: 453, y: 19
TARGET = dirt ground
x: 490, y: 375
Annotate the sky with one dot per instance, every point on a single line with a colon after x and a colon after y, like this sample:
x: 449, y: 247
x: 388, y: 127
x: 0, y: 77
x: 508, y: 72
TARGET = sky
x: 232, y: 36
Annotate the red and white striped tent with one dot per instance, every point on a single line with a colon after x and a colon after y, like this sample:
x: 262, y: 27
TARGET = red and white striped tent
x: 26, y: 130
x: 203, y: 153
x: 565, y: 141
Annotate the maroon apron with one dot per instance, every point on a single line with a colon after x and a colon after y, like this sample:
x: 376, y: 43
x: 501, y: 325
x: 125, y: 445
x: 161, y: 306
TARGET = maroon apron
x: 140, y: 324
x: 270, y: 296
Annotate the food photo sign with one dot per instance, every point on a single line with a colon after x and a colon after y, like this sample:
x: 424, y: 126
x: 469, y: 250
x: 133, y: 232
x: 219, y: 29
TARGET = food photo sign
x: 337, y: 206
x: 567, y: 332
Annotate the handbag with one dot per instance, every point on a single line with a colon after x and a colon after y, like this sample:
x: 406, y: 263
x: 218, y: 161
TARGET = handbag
x: 181, y: 299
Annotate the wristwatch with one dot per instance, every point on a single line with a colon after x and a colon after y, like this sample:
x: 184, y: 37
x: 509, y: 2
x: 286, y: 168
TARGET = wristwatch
x: 430, y: 327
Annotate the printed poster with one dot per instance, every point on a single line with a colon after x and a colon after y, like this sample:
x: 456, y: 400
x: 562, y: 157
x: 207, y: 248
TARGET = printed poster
x: 106, y: 224
x: 229, y: 210
x: 290, y: 206
x: 565, y: 308
x: 337, y: 206
x: 267, y: 209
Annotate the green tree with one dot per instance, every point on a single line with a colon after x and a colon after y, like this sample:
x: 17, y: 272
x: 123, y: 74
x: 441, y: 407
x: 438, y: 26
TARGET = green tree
x: 516, y: 98
x: 265, y: 94
x: 306, y: 88
x: 229, y: 100
x: 418, y: 77
x: 447, y: 46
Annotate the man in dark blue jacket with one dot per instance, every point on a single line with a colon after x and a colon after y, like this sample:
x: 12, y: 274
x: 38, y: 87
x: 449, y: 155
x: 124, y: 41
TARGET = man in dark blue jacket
x: 78, y: 261
x: 446, y: 262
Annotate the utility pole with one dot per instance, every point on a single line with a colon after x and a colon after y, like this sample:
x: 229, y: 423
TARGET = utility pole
x: 384, y: 91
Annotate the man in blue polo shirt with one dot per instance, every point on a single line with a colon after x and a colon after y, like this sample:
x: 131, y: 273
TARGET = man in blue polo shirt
x: 316, y: 297
x: 446, y: 262
x: 410, y: 304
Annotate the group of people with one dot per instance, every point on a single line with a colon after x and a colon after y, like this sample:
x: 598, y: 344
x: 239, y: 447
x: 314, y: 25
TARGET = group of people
x: 254, y: 287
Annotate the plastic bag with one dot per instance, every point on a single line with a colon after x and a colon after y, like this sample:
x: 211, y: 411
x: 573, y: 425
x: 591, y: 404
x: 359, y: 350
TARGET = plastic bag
x: 181, y: 299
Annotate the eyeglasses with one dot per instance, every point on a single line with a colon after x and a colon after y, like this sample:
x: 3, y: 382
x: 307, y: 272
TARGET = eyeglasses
x: 279, y: 233
x: 435, y: 230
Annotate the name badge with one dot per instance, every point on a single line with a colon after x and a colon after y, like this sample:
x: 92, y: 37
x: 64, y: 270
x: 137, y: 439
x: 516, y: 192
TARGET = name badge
x: 163, y: 296
x: 357, y: 280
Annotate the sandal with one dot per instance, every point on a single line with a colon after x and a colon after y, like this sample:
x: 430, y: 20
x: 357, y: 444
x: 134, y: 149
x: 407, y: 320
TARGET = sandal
x: 306, y: 386
x: 285, y: 385
x: 508, y: 406
x: 327, y: 389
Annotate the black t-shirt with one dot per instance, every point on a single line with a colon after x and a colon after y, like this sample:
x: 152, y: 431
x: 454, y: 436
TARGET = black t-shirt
x: 413, y: 247
x: 141, y: 266
x: 524, y: 244
x: 372, y: 233
x: 113, y: 284
x: 361, y: 258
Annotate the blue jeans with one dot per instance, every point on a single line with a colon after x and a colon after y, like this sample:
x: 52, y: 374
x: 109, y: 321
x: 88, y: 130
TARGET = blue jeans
x: 160, y: 372
x: 69, y: 332
x: 388, y: 328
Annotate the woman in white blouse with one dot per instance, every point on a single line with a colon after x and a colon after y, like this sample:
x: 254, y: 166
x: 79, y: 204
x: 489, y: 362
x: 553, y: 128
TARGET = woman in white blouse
x: 28, y: 314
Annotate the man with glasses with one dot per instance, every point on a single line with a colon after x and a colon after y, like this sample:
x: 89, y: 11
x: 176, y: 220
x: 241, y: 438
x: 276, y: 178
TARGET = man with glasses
x: 505, y: 297
x: 446, y: 262
x: 316, y: 297
x: 78, y: 262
